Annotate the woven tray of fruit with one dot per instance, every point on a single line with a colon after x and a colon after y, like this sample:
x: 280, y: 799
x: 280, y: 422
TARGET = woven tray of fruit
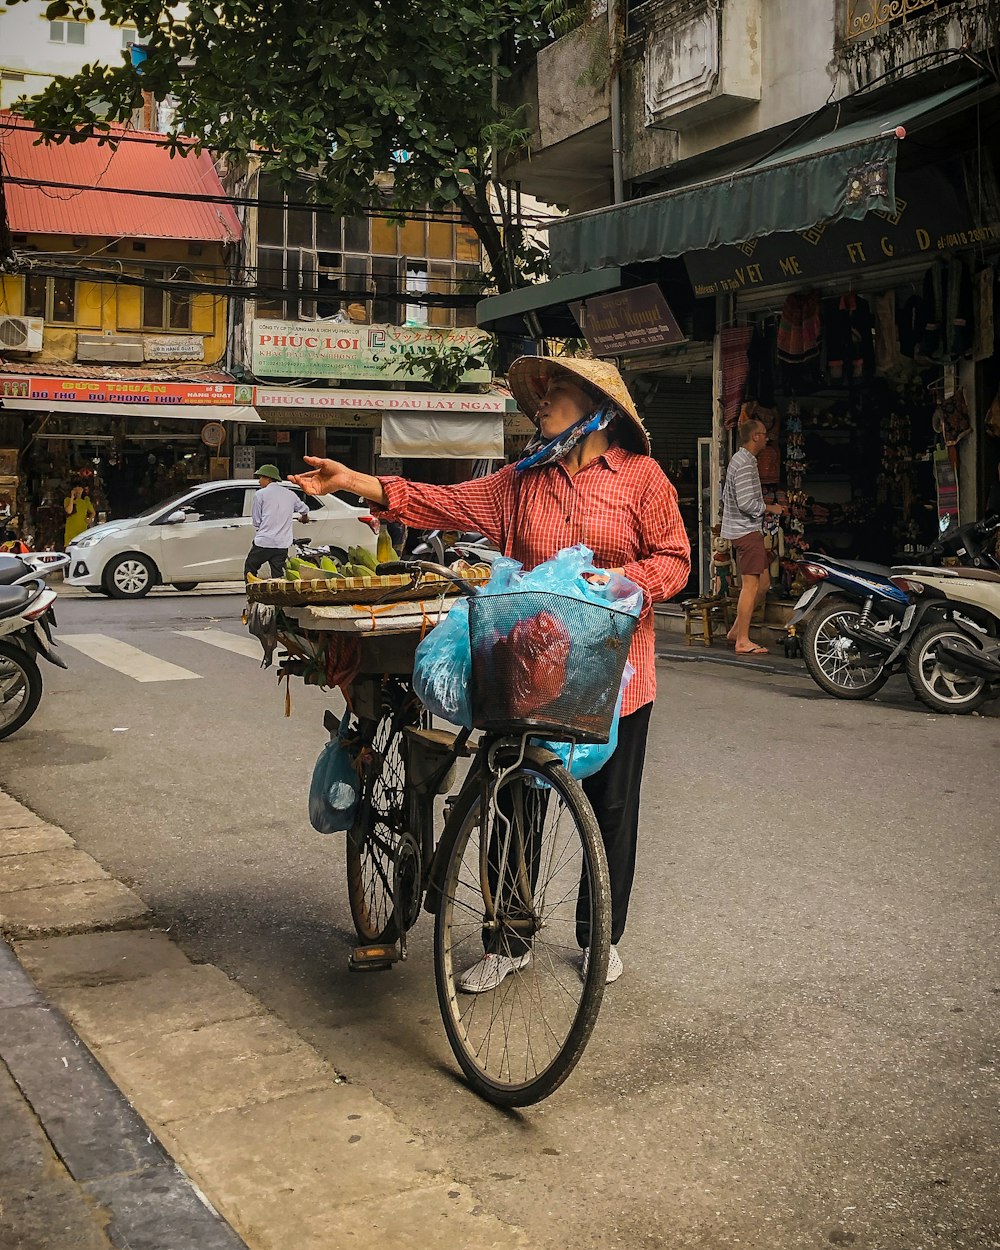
x: 317, y: 578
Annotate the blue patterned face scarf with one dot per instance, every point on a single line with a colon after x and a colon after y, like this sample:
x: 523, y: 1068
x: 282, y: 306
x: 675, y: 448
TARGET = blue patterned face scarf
x: 537, y: 452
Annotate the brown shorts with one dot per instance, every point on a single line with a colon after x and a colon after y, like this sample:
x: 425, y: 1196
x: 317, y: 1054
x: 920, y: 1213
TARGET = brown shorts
x: 751, y: 555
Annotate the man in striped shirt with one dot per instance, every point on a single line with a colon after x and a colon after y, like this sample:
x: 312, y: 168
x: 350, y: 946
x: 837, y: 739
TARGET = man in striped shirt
x: 743, y: 508
x: 587, y: 478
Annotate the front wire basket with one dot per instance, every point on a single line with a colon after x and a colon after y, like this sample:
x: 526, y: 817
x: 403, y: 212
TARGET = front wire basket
x: 547, y: 662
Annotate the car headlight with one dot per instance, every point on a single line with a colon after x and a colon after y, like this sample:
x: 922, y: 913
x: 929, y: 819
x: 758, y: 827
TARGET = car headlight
x: 87, y: 542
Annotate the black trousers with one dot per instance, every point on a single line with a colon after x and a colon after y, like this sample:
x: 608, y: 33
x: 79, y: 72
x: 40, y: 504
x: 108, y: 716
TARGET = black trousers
x: 614, y: 795
x: 257, y: 557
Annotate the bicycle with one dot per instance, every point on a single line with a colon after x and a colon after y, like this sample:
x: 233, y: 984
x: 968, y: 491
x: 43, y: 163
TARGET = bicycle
x: 519, y: 869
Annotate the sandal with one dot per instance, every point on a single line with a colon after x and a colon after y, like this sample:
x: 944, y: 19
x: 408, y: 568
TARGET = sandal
x: 754, y: 650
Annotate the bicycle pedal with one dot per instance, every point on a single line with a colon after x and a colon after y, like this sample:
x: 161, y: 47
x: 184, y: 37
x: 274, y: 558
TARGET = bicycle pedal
x: 375, y: 958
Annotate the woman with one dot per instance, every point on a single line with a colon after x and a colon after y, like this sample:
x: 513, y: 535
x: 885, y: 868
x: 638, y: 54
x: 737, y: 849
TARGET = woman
x: 80, y: 514
x: 586, y: 477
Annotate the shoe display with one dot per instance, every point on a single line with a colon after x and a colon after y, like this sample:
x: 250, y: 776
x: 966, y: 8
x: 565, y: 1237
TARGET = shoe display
x: 490, y: 971
x: 615, y: 965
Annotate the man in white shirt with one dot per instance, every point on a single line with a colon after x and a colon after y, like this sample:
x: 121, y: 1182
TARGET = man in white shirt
x: 275, y: 507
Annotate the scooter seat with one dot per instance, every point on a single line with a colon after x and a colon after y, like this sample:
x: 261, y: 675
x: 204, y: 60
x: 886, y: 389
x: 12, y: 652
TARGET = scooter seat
x: 11, y: 568
x: 859, y: 566
x: 14, y: 598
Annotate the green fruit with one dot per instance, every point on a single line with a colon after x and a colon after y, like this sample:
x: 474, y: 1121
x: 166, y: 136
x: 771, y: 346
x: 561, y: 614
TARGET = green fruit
x: 330, y: 566
x: 367, y: 558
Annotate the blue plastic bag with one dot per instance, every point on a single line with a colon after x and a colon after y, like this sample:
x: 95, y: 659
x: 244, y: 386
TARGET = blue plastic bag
x: 335, y: 788
x: 587, y: 758
x: 442, y: 668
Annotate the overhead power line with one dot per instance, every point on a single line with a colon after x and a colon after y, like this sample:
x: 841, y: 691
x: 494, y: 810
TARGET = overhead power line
x: 433, y: 299
x: 248, y: 201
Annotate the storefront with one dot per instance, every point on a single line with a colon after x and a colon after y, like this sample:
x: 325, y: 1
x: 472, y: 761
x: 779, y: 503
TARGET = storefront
x: 866, y: 343
x: 129, y: 444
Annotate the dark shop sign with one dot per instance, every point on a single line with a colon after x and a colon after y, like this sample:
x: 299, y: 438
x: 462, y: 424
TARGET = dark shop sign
x: 932, y: 215
x: 628, y: 321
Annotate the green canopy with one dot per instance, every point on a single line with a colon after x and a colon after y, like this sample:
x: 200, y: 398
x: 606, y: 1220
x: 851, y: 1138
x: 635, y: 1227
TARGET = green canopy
x: 843, y: 174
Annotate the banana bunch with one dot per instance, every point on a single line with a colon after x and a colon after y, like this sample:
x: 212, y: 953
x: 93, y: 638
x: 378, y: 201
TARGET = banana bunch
x: 359, y: 563
x: 298, y: 569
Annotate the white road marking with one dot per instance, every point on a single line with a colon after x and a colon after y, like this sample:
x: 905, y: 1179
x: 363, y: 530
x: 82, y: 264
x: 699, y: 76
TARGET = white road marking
x: 126, y: 659
x: 228, y: 642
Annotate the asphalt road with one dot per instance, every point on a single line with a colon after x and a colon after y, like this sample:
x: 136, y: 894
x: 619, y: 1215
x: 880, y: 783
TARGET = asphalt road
x: 803, y: 1050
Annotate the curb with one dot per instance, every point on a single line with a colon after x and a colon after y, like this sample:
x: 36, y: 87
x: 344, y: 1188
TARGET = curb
x: 104, y: 1145
x: 152, y: 1073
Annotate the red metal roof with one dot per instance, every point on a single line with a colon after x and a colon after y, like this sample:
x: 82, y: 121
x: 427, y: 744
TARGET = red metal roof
x: 138, y: 162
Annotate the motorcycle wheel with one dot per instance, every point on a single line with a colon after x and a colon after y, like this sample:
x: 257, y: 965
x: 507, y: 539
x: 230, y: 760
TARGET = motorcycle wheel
x: 936, y: 684
x: 20, y: 688
x: 835, y: 662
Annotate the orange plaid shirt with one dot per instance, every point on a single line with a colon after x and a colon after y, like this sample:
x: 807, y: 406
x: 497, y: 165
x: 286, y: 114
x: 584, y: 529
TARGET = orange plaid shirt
x: 621, y: 505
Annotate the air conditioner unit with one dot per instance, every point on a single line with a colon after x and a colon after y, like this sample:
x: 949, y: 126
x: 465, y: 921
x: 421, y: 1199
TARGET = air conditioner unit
x: 21, y: 334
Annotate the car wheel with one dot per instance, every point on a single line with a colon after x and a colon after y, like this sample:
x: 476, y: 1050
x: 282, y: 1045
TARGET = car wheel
x: 183, y: 585
x: 129, y: 576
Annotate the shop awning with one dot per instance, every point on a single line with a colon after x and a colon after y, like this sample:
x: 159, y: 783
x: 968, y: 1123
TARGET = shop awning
x: 149, y: 412
x: 458, y: 436
x: 845, y: 173
x: 506, y: 312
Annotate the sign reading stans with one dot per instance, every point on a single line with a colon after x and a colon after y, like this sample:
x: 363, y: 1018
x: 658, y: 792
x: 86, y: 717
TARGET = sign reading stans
x: 331, y: 349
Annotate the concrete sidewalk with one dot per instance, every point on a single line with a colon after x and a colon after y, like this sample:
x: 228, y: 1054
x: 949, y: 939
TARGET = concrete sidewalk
x: 179, y: 1113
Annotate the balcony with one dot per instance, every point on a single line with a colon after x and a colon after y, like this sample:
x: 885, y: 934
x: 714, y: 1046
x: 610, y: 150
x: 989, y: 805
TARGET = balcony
x: 879, y: 39
x: 702, y: 60
x: 868, y: 17
x: 567, y: 95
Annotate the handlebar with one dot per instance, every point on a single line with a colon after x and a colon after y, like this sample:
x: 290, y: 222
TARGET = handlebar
x: 414, y: 568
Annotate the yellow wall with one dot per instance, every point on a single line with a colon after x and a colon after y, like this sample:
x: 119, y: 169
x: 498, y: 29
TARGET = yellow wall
x: 106, y: 307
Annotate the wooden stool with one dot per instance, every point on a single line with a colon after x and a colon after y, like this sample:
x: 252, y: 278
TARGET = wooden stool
x: 707, y: 608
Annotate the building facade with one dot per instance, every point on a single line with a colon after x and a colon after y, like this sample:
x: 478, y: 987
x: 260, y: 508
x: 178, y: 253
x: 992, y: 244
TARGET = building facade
x: 343, y: 302
x: 113, y: 324
x: 811, y: 187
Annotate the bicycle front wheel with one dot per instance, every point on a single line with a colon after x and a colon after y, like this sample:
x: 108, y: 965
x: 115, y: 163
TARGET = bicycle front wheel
x: 526, y: 880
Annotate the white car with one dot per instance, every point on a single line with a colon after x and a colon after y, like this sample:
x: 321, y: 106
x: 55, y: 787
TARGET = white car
x: 201, y: 535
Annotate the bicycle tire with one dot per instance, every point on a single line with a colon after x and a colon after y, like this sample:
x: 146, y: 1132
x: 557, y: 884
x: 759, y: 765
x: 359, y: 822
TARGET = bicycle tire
x: 373, y: 840
x: 13, y: 657
x: 491, y: 1045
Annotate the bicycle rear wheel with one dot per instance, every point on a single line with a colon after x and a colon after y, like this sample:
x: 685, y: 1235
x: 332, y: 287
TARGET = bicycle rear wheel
x: 546, y: 874
x: 373, y: 842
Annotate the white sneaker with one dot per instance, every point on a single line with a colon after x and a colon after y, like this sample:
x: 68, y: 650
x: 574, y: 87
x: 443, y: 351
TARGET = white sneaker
x: 490, y: 971
x: 615, y: 965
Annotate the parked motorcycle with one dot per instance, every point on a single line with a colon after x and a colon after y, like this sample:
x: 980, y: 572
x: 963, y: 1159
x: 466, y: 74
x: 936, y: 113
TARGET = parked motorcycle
x: 858, y: 623
x: 445, y: 547
x: 26, y: 624
x: 953, y: 664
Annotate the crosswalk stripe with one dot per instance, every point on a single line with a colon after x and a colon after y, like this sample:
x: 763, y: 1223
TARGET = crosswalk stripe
x: 125, y: 658
x: 228, y: 642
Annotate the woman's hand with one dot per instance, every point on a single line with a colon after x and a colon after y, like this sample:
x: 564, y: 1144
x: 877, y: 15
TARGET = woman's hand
x: 330, y: 475
x: 325, y: 478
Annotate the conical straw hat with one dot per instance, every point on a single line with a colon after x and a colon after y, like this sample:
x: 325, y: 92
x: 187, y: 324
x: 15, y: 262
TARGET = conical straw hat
x: 529, y: 376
